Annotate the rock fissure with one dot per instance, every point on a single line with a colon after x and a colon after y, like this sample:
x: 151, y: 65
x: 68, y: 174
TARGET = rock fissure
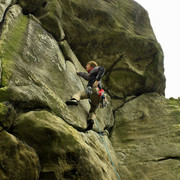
x: 108, y: 72
x: 1, y: 129
x: 143, y: 129
x: 169, y: 158
x: 150, y: 160
x: 4, y: 14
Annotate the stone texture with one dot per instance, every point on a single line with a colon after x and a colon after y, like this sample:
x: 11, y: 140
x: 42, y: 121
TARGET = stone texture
x: 42, y: 44
x: 3, y: 6
x: 39, y: 74
x: 146, y: 138
x: 49, y: 13
x: 17, y: 160
x: 22, y: 82
x: 7, y: 115
x: 64, y: 152
x: 117, y: 34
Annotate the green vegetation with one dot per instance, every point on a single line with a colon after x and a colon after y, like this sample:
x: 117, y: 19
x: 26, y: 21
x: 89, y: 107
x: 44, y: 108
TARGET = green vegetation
x: 4, y: 94
x: 174, y: 102
x: 10, y: 45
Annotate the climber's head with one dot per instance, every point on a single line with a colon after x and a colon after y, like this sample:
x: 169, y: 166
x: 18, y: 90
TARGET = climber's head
x: 90, y: 65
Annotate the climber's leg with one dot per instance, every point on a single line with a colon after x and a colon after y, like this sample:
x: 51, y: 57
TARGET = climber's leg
x: 95, y: 99
x: 77, y: 97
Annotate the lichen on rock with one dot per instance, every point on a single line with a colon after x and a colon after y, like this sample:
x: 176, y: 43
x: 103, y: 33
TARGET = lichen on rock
x: 18, y: 160
x: 64, y: 152
x: 146, y: 137
x: 42, y: 45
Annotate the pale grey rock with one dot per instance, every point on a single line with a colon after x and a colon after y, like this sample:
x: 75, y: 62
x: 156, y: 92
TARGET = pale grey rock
x: 39, y: 75
x: 146, y: 136
x: 116, y: 34
x: 3, y: 6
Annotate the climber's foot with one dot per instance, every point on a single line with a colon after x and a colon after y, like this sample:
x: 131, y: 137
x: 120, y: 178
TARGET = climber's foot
x: 90, y: 123
x: 72, y: 102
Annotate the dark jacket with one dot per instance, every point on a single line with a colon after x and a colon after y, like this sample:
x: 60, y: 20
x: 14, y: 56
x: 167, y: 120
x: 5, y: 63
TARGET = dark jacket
x: 94, y: 74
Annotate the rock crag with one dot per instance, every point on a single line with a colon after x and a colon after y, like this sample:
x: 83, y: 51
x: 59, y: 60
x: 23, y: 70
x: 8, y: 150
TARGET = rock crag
x: 42, y: 44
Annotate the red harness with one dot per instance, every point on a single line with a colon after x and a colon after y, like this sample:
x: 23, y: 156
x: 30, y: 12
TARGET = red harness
x: 101, y: 92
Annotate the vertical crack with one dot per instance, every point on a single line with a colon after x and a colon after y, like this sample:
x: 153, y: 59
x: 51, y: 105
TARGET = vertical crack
x: 108, y: 72
x: 169, y: 157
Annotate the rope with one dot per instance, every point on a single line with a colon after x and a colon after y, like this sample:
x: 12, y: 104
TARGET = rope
x: 107, y: 150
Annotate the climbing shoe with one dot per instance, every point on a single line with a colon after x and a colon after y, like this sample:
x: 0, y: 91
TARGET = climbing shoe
x: 90, y: 123
x: 72, y: 102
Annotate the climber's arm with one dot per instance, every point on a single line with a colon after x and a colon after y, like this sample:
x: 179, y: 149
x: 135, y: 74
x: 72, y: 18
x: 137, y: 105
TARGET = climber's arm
x: 95, y: 76
x: 83, y: 75
x: 100, y: 73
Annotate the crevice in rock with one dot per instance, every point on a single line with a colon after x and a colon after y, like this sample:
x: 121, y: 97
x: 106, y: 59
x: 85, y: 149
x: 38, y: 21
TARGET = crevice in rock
x: 22, y: 107
x: 169, y: 158
x: 177, y: 158
x: 1, y: 129
x: 108, y: 72
x: 3, y: 19
x: 114, y: 111
x: 110, y: 129
x: 44, y: 4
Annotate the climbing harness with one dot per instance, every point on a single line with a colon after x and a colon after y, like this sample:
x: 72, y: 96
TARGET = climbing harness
x: 103, y: 102
x: 88, y: 90
x: 107, y: 150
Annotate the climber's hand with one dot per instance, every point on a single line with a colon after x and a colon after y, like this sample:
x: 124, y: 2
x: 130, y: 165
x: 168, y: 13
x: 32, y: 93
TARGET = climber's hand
x: 77, y: 72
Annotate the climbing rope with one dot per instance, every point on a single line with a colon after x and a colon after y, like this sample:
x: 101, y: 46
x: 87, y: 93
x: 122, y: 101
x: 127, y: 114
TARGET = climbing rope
x: 107, y: 150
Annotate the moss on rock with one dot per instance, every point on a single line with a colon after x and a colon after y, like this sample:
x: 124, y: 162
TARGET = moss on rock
x: 11, y: 43
x: 64, y: 152
x: 18, y: 160
x: 103, y: 31
x: 7, y: 115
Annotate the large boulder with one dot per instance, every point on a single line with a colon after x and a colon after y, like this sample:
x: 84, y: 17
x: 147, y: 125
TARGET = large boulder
x: 117, y: 34
x: 64, y: 152
x: 41, y: 43
x: 18, y: 161
x: 146, y: 138
x: 36, y: 74
x: 48, y: 12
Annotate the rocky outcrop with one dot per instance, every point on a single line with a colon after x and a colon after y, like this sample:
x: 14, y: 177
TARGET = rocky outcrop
x: 64, y: 152
x: 17, y: 160
x: 117, y: 34
x: 146, y: 136
x: 3, y: 6
x: 42, y: 44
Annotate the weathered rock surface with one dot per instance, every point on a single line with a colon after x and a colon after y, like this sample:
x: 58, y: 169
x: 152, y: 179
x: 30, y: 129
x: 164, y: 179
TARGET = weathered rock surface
x: 146, y: 138
x: 7, y: 115
x: 64, y: 152
x: 17, y: 160
x: 29, y: 75
x: 42, y: 44
x: 117, y: 34
x: 3, y: 6
x: 49, y: 13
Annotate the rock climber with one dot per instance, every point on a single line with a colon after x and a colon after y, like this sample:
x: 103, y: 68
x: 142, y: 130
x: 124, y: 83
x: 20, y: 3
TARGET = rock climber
x: 93, y: 91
